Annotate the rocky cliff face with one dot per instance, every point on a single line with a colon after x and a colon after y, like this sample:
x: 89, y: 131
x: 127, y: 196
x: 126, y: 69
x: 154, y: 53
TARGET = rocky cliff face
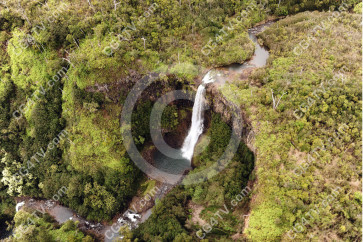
x: 218, y: 103
x: 118, y: 91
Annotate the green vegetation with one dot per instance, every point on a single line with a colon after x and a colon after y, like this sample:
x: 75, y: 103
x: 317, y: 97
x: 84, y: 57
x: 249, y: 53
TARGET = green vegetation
x: 34, y: 226
x: 167, y: 220
x: 148, y: 186
x: 169, y: 217
x: 56, y: 78
x: 295, y: 172
x: 232, y: 179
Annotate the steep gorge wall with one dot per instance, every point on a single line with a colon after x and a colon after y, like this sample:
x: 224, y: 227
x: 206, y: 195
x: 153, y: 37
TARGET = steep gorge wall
x: 218, y: 103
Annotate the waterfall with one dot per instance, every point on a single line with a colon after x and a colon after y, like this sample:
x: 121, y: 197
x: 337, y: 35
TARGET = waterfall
x: 196, y: 128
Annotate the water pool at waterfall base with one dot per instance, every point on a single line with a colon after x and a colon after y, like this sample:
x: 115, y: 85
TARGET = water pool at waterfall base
x: 170, y: 165
x: 185, y: 153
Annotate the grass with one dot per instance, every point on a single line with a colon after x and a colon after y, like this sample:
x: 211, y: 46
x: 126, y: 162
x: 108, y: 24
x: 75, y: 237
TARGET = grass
x: 282, y: 198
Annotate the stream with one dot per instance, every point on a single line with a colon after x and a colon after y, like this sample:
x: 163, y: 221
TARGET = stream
x: 175, y: 166
x: 185, y: 154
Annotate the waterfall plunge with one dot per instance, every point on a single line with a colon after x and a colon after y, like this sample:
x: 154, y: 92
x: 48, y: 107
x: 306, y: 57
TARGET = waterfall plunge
x: 197, y: 119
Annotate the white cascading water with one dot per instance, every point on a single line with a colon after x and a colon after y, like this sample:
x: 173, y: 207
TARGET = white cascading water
x: 197, y: 120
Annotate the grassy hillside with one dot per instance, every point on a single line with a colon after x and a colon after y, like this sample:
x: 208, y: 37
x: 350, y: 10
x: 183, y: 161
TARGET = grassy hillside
x: 66, y: 69
x: 54, y: 54
x: 309, y: 147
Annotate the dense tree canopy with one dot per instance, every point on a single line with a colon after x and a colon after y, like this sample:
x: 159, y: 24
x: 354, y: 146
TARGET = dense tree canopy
x: 66, y: 68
